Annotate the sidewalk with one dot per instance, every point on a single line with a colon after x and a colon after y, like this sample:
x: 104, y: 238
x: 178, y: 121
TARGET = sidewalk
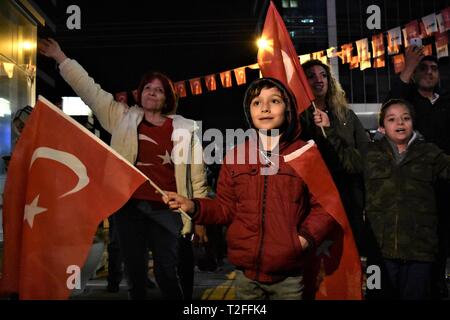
x: 218, y: 285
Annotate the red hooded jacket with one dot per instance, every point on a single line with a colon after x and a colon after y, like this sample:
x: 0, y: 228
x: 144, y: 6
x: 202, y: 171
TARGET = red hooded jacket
x: 265, y: 214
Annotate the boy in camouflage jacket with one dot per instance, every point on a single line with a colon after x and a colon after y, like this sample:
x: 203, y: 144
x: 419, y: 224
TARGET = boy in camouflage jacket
x: 400, y: 172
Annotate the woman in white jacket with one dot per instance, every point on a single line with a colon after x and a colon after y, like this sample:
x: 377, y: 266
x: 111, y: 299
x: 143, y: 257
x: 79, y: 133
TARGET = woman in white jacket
x: 167, y: 149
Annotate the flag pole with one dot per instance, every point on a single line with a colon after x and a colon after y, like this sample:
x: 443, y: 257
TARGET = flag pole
x: 165, y: 195
x: 321, y: 127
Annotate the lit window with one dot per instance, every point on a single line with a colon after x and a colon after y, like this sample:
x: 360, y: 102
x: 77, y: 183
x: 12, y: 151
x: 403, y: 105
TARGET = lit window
x: 308, y: 21
x: 294, y: 3
x: 285, y: 3
x: 292, y: 33
x: 5, y: 108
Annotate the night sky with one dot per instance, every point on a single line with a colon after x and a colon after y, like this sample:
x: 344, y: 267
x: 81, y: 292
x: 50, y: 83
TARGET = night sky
x: 120, y: 41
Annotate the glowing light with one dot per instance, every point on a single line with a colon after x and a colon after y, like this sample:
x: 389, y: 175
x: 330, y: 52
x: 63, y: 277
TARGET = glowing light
x: 262, y: 43
x: 27, y: 45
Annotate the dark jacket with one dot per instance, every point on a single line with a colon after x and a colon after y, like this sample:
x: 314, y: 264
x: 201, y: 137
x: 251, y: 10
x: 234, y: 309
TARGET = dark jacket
x: 344, y: 144
x: 400, y: 201
x: 432, y: 120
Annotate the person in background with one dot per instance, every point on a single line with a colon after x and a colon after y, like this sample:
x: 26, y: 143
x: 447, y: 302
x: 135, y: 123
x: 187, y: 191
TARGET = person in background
x: 401, y: 170
x: 418, y: 84
x: 344, y: 143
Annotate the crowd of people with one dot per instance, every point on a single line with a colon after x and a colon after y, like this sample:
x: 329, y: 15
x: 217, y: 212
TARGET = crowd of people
x: 394, y: 188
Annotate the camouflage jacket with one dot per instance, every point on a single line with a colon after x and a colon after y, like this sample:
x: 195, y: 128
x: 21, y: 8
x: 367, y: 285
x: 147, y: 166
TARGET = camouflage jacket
x: 400, y: 200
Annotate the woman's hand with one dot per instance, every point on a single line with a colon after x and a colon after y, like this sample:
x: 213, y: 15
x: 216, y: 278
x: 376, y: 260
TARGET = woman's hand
x: 50, y: 48
x: 321, y: 118
x: 175, y: 201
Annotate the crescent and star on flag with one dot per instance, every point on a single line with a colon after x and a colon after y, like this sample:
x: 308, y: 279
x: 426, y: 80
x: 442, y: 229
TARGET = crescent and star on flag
x: 33, y: 209
x: 70, y: 161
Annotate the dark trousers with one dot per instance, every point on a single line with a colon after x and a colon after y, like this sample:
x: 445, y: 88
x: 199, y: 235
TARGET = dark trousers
x: 114, y: 258
x: 142, y: 228
x: 439, y: 283
x: 406, y: 280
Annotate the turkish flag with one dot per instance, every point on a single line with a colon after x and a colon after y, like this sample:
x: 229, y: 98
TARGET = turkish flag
x: 239, y: 73
x: 196, y: 86
x: 279, y: 59
x: 412, y: 30
x: 347, y: 53
x: 62, y: 182
x: 446, y: 18
x: 180, y: 87
x: 334, y: 270
x: 394, y: 40
x: 225, y: 78
x: 210, y: 81
x: 378, y: 45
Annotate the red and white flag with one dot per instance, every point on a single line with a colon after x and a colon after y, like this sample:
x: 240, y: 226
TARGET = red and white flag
x: 334, y: 271
x: 362, y: 47
x: 225, y: 79
x: 62, y: 182
x: 394, y: 40
x: 378, y: 45
x: 446, y: 18
x: 279, y: 59
x: 332, y: 52
x: 196, y: 86
x: 441, y: 45
x: 346, y: 53
x: 210, y: 81
x: 440, y: 23
x: 412, y: 30
x: 305, y: 58
x: 180, y: 88
x: 354, y: 63
x: 239, y: 74
x: 430, y: 24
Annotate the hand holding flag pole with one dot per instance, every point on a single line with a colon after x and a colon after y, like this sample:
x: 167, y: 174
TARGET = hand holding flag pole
x: 278, y: 59
x: 165, y: 195
x: 321, y: 126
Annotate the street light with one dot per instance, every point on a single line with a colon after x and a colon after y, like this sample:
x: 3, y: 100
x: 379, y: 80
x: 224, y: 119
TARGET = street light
x: 262, y: 43
x: 27, y: 45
